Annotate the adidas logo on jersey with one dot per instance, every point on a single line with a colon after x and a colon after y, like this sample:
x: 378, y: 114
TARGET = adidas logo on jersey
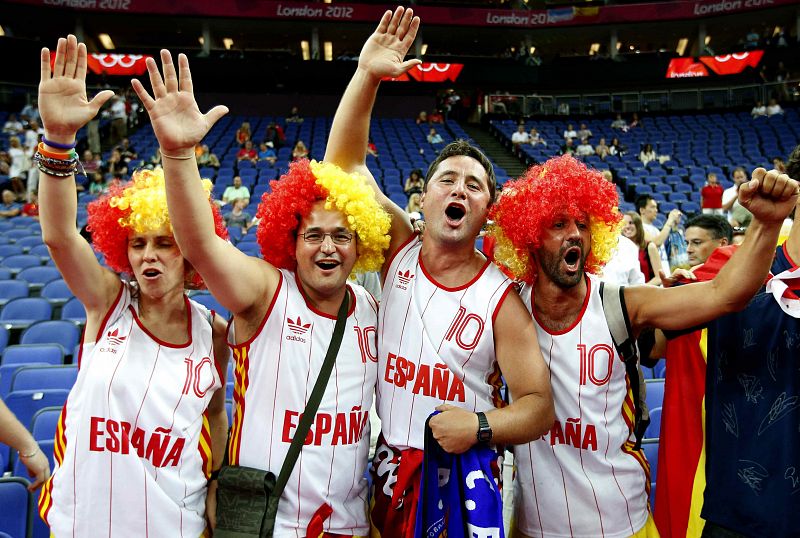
x: 404, y: 278
x: 115, y: 340
x: 298, y: 329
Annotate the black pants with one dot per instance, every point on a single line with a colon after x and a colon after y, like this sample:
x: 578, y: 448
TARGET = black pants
x: 711, y: 530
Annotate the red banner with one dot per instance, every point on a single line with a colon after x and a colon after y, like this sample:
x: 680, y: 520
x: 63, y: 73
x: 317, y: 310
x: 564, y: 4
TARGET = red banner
x: 113, y: 64
x: 430, y: 15
x: 729, y: 64
x: 431, y: 72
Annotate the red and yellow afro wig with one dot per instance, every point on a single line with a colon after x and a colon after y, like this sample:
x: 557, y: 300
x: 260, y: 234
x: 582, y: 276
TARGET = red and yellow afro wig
x: 561, y: 186
x: 292, y: 197
x: 138, y: 206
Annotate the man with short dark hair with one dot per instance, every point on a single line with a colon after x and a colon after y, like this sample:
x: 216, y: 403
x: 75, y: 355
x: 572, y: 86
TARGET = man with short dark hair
x: 448, y: 322
x: 704, y: 233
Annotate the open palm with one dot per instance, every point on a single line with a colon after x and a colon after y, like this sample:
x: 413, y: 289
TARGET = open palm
x: 383, y: 53
x: 63, y: 105
x: 176, y: 119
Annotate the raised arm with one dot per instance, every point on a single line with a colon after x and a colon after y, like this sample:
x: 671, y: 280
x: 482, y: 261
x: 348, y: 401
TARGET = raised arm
x: 770, y: 196
x: 531, y: 412
x: 382, y: 56
x: 241, y: 283
x: 64, y: 109
x: 661, y: 236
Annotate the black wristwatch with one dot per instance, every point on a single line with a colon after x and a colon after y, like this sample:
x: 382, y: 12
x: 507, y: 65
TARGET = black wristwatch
x: 484, y: 430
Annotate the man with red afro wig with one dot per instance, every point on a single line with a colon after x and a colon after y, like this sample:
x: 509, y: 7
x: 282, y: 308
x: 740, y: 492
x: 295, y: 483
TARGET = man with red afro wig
x: 317, y: 226
x: 448, y: 324
x: 555, y: 227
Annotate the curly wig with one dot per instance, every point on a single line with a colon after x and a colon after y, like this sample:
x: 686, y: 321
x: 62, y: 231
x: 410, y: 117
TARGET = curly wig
x: 561, y: 186
x: 292, y: 198
x: 138, y: 206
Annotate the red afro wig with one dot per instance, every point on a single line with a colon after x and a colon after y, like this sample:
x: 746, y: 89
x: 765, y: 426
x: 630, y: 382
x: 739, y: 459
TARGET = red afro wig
x: 561, y: 186
x: 137, y: 206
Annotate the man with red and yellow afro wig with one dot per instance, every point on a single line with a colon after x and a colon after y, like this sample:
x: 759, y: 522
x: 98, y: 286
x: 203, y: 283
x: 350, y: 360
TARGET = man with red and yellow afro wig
x: 555, y: 227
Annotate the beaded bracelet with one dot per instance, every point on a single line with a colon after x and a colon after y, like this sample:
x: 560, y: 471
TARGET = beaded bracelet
x: 58, y: 167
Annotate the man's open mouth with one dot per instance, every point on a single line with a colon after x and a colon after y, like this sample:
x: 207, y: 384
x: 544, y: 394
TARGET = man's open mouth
x: 455, y: 212
x: 571, y: 257
x: 151, y: 273
x: 327, y: 265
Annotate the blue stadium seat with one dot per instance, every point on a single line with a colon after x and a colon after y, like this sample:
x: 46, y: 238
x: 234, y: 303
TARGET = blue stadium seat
x: 29, y: 242
x: 10, y: 250
x: 57, y: 292
x: 46, y: 446
x: 655, y: 393
x: 17, y: 503
x: 19, y: 262
x: 210, y: 302
x: 12, y: 289
x: 229, y: 410
x: 64, y: 333
x: 25, y: 403
x: 660, y: 369
x: 20, y: 313
x: 4, y: 336
x: 41, y: 251
x: 46, y: 377
x: 15, y: 234
x: 654, y: 429
x: 37, y: 277
x: 650, y: 449
x: 33, y: 353
x: 74, y: 311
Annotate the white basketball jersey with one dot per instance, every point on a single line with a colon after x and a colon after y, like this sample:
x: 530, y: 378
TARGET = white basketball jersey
x: 435, y: 345
x: 132, y: 446
x: 583, y: 478
x: 275, y: 373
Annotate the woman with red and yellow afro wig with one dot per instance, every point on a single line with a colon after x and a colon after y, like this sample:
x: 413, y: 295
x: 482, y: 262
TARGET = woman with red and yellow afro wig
x: 292, y: 198
x: 562, y: 186
x: 137, y: 206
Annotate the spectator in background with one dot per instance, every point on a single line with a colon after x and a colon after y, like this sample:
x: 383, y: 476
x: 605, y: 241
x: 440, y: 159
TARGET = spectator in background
x: 294, y: 116
x: 759, y: 110
x: 773, y: 108
x: 372, y: 149
x: 536, y: 138
x: 31, y: 208
x: 9, y: 207
x: 300, y: 151
x: 237, y: 191
x: 247, y: 153
x: 616, y: 148
x: 520, y: 136
x: 414, y: 182
x: 414, y: 204
x: 98, y: 185
x: 584, y: 132
x: 274, y: 134
x: 243, y: 133
x: 155, y: 160
x: 119, y: 120
x: 237, y: 217
x: 267, y: 153
x: 436, y: 117
x: 602, y: 149
x: 30, y: 112
x: 647, y: 154
x: 422, y: 117
x: 434, y: 137
x: 647, y: 208
x: 126, y: 151
x: 619, y: 123
x: 568, y: 147
x: 18, y: 168
x: 704, y: 233
x: 635, y: 121
x: 584, y: 148
x: 569, y: 132
x: 751, y: 39
x: 91, y: 163
x: 116, y: 167
x: 624, y: 266
x: 32, y: 135
x: 730, y: 196
x: 649, y: 259
x: 206, y: 158
x: 12, y: 126
x: 711, y: 196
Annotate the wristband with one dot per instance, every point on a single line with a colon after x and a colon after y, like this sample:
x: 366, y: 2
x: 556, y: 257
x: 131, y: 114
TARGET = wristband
x: 26, y: 456
x: 213, y: 476
x: 60, y: 146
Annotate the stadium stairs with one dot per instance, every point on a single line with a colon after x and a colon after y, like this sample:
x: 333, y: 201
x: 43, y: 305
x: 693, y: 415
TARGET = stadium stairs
x: 495, y: 149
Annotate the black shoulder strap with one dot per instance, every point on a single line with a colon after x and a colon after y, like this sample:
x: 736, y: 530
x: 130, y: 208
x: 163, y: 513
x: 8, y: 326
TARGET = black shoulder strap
x: 613, y: 299
x: 316, y: 397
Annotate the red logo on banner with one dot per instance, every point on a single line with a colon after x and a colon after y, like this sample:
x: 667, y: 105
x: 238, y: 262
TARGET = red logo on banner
x: 113, y: 64
x: 431, y: 72
x: 729, y: 64
x: 732, y: 64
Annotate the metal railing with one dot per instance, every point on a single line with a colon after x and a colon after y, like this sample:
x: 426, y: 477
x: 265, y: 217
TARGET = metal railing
x: 644, y: 101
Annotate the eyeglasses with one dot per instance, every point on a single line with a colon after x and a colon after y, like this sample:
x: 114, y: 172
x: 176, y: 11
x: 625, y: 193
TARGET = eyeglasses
x: 316, y: 238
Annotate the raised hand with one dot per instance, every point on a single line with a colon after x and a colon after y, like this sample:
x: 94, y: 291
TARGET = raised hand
x: 383, y: 53
x: 177, y: 121
x: 769, y: 196
x: 63, y: 105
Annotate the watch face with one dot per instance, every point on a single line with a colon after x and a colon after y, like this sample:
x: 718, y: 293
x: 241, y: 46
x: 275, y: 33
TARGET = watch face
x: 484, y: 436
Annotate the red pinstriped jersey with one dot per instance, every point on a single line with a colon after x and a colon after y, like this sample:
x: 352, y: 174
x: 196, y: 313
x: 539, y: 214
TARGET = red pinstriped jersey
x: 582, y: 478
x: 132, y: 446
x: 275, y: 372
x: 435, y: 344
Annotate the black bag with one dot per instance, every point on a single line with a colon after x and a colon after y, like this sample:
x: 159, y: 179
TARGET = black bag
x: 247, y: 498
